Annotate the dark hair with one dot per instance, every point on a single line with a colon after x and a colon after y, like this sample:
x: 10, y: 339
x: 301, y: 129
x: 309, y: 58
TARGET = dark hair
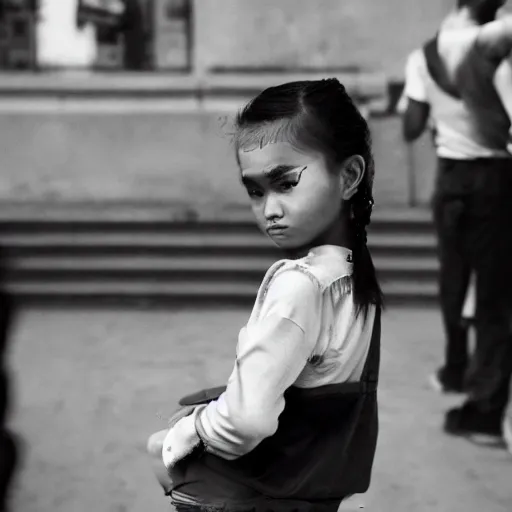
x: 320, y: 115
x: 482, y: 5
x: 467, y: 3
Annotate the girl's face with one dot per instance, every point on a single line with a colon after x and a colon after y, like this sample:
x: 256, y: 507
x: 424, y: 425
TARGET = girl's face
x: 297, y: 201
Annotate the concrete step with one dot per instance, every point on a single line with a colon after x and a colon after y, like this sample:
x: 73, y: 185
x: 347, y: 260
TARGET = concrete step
x: 15, y: 217
x: 179, y: 292
x: 157, y: 210
x: 85, y: 240
x: 112, y: 252
x: 198, y: 263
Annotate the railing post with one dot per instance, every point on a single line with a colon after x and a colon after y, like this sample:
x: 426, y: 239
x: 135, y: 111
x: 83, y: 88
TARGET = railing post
x: 411, y: 175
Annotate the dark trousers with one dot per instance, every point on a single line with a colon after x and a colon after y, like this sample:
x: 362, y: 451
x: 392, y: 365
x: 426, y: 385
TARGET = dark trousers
x: 473, y: 218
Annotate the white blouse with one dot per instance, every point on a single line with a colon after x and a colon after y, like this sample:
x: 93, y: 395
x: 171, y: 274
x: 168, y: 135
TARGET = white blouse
x: 303, y: 331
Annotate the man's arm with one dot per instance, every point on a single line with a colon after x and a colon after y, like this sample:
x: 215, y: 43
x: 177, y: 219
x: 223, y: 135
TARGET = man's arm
x: 416, y: 108
x: 415, y: 119
x: 503, y: 84
x: 495, y: 38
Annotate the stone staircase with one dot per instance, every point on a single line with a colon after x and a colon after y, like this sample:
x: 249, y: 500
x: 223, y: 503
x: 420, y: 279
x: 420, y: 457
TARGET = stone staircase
x: 149, y: 254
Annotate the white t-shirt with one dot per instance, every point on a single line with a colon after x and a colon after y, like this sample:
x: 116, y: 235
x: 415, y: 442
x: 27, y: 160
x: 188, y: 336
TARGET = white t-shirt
x: 455, y: 136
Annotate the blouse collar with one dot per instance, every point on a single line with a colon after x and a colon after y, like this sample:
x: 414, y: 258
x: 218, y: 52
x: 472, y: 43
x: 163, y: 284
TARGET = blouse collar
x: 339, y: 258
x: 332, y: 250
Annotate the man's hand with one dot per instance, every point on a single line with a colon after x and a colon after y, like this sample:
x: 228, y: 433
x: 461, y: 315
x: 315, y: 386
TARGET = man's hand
x: 181, y: 440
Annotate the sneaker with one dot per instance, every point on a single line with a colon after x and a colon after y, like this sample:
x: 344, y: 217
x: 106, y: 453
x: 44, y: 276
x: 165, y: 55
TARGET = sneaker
x: 467, y: 421
x: 444, y: 383
x: 507, y: 433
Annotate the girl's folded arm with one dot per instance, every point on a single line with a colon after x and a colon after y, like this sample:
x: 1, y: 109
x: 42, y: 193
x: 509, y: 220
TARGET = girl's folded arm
x: 270, y: 359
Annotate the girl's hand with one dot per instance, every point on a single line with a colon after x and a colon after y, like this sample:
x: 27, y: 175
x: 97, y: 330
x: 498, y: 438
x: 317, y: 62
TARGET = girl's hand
x: 181, y: 439
x: 182, y: 412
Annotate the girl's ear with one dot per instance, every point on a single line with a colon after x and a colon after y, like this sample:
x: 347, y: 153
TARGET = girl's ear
x: 352, y: 173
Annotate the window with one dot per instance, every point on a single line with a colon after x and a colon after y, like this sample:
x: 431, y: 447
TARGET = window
x: 133, y: 35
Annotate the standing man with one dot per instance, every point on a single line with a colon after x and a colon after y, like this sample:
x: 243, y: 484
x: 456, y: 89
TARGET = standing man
x: 503, y: 81
x: 451, y: 82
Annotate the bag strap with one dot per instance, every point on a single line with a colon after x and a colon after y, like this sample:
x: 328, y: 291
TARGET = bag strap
x: 437, y: 69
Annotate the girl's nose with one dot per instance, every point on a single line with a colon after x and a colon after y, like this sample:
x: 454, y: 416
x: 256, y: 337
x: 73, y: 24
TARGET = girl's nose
x: 273, y: 209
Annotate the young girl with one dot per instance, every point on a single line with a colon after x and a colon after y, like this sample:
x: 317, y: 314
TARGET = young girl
x: 296, y: 427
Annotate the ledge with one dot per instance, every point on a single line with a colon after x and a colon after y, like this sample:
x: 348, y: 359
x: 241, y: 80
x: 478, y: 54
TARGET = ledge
x: 85, y: 84
x: 91, y: 83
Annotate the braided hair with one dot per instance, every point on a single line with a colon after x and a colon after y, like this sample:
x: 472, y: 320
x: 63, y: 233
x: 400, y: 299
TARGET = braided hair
x: 320, y: 115
x: 366, y: 287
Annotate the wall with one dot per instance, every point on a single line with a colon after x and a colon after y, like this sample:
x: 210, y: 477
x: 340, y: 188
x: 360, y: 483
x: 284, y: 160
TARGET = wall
x: 178, y: 157
x: 182, y: 158
x: 369, y: 34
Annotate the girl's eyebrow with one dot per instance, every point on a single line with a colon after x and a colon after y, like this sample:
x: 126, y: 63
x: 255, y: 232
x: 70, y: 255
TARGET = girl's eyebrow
x: 277, y: 171
x: 274, y: 173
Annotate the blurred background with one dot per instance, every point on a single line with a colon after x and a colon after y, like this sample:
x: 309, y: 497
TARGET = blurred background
x: 130, y: 254
x: 78, y: 76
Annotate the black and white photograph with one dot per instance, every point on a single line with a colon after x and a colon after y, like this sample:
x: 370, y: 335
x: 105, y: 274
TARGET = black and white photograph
x: 256, y: 255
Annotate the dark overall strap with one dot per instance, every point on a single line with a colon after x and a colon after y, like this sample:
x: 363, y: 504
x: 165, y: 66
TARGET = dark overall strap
x: 437, y: 69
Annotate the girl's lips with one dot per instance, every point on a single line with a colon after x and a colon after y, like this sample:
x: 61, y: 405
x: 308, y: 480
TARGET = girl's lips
x: 276, y: 230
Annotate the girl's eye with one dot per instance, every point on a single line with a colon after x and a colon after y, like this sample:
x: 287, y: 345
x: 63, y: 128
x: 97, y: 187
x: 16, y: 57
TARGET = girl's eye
x: 254, y: 193
x: 282, y: 186
x: 286, y: 186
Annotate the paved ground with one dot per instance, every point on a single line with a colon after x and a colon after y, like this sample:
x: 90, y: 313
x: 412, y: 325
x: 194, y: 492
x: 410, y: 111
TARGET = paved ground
x: 92, y: 385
